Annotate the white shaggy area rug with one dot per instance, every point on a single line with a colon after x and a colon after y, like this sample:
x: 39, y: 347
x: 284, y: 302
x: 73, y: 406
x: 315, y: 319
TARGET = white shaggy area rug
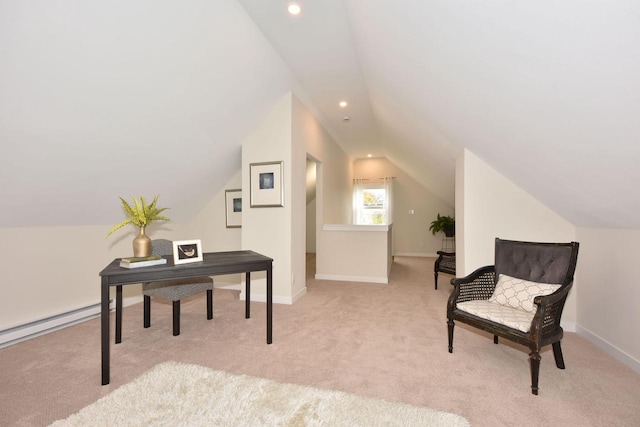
x: 178, y: 394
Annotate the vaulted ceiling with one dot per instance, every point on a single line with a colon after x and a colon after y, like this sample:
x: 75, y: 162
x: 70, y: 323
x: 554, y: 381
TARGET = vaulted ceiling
x: 546, y: 92
x: 103, y: 99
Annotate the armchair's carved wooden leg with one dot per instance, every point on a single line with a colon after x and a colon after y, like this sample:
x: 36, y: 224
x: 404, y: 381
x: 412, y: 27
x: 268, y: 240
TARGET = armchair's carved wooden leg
x: 495, y: 339
x: 435, y: 276
x: 534, y: 358
x: 557, y: 353
x: 450, y: 326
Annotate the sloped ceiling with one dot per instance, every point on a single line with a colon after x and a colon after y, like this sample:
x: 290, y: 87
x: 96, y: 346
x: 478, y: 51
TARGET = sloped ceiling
x: 108, y: 98
x: 546, y: 92
x: 115, y: 98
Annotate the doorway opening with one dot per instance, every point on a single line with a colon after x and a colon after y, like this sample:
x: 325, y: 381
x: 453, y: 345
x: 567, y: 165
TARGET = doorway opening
x: 311, y: 215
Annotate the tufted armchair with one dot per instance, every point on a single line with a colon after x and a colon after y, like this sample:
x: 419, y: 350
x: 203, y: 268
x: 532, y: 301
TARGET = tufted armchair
x: 520, y: 298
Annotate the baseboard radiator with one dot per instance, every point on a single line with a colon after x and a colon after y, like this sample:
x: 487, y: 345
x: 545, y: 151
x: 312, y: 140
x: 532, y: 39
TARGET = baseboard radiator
x: 43, y: 326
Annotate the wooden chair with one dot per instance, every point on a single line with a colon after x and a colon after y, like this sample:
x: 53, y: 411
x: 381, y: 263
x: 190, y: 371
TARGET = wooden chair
x: 174, y: 290
x: 520, y: 298
x: 446, y: 263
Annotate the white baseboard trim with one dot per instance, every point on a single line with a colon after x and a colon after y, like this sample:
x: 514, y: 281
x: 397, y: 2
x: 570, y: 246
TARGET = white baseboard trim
x: 345, y: 278
x: 302, y: 292
x: 126, y: 302
x: 610, y: 349
x: 417, y: 254
x: 43, y: 326
x: 568, y: 326
x: 229, y: 286
x: 276, y: 299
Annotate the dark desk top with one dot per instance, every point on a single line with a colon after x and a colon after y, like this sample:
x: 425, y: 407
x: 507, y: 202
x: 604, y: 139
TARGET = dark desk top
x: 213, y: 263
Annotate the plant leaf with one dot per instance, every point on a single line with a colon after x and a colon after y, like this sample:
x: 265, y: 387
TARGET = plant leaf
x: 140, y: 214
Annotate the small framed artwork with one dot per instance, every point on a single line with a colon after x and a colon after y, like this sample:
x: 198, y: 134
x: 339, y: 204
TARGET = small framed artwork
x: 233, y: 205
x: 266, y: 184
x: 185, y: 251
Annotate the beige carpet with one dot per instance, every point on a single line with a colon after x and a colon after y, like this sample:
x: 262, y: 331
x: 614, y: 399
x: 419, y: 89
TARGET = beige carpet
x: 378, y: 341
x: 179, y: 394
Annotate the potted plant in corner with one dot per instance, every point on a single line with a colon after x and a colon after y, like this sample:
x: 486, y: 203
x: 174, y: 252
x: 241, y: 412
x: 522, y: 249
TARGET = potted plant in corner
x: 445, y: 224
x: 141, y: 215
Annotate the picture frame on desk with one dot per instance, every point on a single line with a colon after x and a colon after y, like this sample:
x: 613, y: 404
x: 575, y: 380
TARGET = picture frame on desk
x: 186, y: 251
x: 266, y: 181
x: 233, y: 206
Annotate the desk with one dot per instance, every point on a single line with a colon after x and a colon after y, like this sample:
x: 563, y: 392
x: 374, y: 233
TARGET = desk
x: 214, y: 263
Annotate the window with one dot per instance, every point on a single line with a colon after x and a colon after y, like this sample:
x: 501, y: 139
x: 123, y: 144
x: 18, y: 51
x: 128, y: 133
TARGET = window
x: 372, y: 203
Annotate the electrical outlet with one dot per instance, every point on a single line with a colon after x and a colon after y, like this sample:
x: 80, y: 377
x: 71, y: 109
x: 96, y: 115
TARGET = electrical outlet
x: 411, y: 211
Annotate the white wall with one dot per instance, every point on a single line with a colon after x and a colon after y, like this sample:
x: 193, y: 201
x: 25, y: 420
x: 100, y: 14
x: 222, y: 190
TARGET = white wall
x: 496, y: 207
x: 106, y: 98
x: 333, y: 183
x: 607, y: 299
x: 210, y: 226
x: 267, y: 230
x: 47, y: 271
x: 411, y: 235
x: 290, y: 133
x: 311, y: 206
x: 311, y: 227
x: 333, y: 179
x: 356, y: 253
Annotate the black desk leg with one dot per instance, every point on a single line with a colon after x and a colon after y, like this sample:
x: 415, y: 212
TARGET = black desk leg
x: 118, y: 314
x: 247, y: 294
x: 104, y: 329
x: 269, y: 304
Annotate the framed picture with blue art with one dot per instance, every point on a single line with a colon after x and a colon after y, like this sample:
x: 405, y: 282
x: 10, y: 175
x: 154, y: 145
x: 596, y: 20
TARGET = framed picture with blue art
x: 233, y: 204
x: 266, y: 180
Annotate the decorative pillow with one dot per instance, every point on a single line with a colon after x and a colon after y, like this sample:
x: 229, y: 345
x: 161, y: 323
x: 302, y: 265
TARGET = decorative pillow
x: 508, y: 316
x: 519, y: 293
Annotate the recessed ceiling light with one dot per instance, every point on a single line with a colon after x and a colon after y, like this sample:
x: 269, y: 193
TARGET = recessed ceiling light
x: 369, y: 155
x: 343, y: 104
x: 294, y: 8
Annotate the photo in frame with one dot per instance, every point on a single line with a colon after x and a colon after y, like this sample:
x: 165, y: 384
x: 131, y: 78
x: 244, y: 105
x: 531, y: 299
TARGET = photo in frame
x: 266, y: 181
x: 233, y: 206
x: 185, y: 251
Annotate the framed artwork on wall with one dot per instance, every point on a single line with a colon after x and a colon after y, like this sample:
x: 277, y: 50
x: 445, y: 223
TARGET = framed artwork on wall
x: 266, y: 180
x: 185, y: 251
x: 233, y: 205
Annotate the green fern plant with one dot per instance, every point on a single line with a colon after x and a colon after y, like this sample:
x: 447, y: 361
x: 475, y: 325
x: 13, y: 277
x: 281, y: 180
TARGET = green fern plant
x: 445, y: 224
x: 140, y: 214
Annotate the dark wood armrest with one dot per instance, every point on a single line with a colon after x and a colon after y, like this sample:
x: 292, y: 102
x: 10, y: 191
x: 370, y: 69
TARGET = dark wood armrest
x: 544, y: 300
x: 446, y: 253
x: 478, y: 285
x: 549, y: 310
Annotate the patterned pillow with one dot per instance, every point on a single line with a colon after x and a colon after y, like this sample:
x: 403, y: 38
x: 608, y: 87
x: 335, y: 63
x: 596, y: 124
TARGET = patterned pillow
x: 519, y: 293
x: 508, y: 316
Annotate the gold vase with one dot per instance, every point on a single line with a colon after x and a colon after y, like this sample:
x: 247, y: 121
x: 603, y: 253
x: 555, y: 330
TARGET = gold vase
x: 141, y: 244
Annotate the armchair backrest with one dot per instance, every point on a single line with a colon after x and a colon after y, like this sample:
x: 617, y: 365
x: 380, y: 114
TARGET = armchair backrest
x: 536, y: 262
x: 161, y: 247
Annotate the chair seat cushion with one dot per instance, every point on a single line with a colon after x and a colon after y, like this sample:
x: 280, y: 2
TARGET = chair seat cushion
x: 175, y: 290
x: 512, y: 317
x: 519, y: 293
